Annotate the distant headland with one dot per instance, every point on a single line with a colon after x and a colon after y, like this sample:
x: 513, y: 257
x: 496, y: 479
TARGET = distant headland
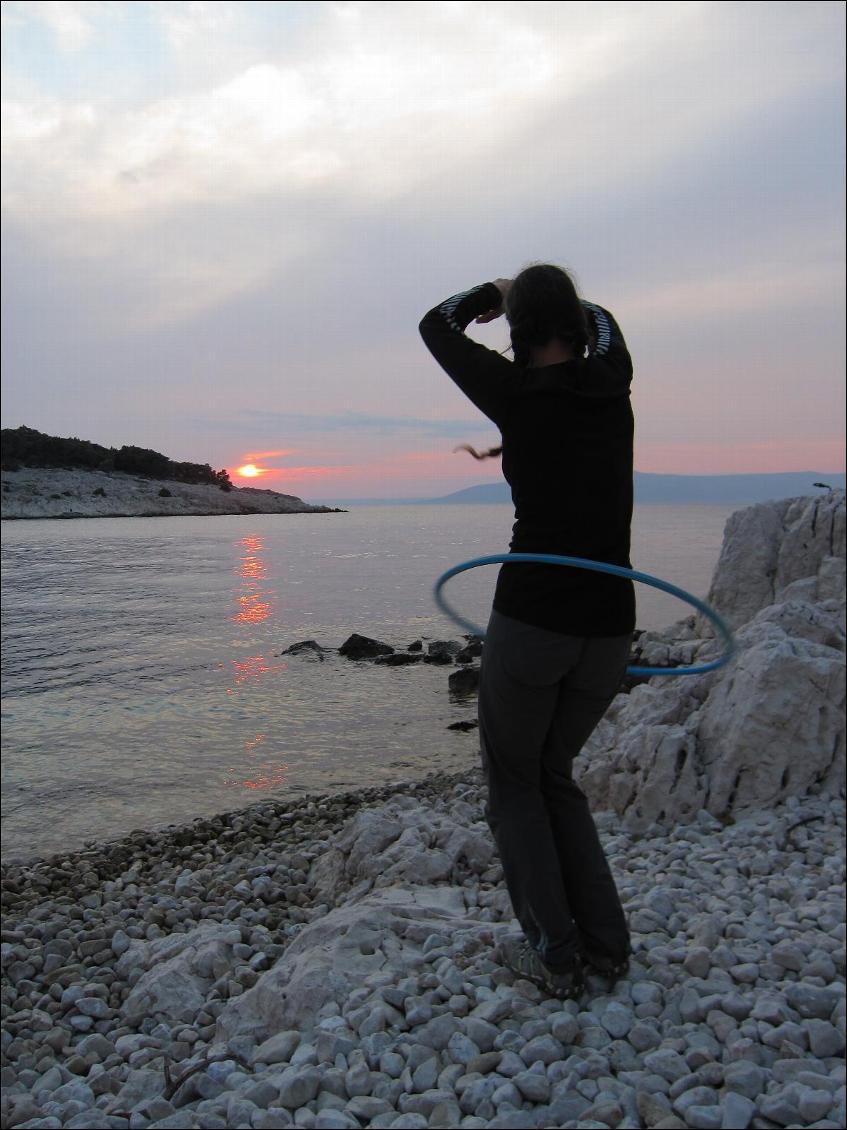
x: 683, y: 490
x: 50, y: 477
x: 692, y: 488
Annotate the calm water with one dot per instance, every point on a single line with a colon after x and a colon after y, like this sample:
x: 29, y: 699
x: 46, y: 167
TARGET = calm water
x: 143, y: 683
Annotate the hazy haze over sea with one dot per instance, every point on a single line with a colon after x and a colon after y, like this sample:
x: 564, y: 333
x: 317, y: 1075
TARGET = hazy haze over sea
x: 142, y: 678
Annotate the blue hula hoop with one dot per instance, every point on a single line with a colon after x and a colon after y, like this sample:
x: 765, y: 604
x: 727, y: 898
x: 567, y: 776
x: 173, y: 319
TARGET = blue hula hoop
x: 595, y: 567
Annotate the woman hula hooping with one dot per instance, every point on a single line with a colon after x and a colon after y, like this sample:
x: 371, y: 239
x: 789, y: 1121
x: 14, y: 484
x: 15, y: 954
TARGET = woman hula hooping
x: 558, y: 640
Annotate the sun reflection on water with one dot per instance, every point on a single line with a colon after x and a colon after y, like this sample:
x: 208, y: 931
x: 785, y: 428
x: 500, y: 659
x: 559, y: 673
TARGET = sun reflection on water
x: 257, y: 767
x: 253, y: 610
x: 261, y: 776
x: 254, y: 600
x: 253, y: 667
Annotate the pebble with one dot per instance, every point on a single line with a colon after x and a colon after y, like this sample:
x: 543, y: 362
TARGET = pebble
x: 825, y: 1040
x: 545, y: 1049
x: 812, y: 1001
x: 738, y: 1111
x: 744, y: 1078
x: 617, y: 1020
x: 532, y: 1086
x: 732, y: 1015
x: 298, y: 1086
x: 278, y: 1049
x: 667, y: 1063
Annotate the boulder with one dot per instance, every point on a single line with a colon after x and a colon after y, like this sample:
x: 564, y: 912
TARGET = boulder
x: 771, y: 723
x: 383, y: 931
x: 772, y: 545
x: 308, y: 649
x: 173, y: 975
x: 402, y: 841
x: 463, y: 682
x: 472, y: 650
x: 363, y: 647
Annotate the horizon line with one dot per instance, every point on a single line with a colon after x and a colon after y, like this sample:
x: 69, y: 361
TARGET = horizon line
x: 652, y: 474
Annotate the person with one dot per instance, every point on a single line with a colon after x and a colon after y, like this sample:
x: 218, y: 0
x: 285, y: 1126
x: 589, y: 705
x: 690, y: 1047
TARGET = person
x: 558, y: 640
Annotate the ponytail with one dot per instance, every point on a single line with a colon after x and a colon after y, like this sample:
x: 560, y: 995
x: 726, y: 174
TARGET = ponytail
x: 490, y: 454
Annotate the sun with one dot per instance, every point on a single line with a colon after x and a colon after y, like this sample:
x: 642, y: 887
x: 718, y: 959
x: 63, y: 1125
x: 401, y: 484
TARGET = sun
x: 249, y: 471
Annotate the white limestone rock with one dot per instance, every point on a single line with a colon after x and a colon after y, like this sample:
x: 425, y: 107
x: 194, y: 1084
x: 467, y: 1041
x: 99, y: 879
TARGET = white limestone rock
x: 401, y: 842
x: 387, y: 870
x: 173, y: 975
x: 770, y: 724
x: 774, y: 723
x: 770, y: 546
x: 382, y: 932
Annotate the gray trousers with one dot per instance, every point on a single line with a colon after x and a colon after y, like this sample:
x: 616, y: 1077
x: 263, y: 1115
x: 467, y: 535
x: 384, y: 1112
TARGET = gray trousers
x: 541, y: 695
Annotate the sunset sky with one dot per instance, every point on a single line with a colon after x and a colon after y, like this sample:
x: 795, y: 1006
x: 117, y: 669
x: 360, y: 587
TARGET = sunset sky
x: 222, y: 223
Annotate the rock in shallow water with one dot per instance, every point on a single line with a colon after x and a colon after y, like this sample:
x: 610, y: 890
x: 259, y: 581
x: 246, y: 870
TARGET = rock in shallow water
x: 363, y: 647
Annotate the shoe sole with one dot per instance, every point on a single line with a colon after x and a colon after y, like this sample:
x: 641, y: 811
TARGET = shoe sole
x: 610, y: 976
x: 540, y: 983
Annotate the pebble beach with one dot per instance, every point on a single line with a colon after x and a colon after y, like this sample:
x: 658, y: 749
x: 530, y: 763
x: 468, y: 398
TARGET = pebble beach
x: 332, y: 963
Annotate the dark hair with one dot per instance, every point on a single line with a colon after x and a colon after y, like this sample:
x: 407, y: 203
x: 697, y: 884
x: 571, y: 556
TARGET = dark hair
x: 542, y: 304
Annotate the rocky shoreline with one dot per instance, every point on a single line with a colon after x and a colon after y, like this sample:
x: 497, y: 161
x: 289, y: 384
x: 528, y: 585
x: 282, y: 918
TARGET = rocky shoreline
x: 333, y: 962
x: 46, y: 492
x: 462, y: 655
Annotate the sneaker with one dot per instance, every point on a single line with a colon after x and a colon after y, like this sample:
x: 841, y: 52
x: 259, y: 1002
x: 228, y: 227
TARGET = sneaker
x: 521, y: 958
x: 612, y: 969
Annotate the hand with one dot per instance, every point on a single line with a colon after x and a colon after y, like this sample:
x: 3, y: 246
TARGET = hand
x: 503, y: 286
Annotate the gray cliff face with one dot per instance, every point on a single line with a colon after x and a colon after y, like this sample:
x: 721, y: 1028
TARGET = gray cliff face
x: 768, y: 726
x: 768, y: 547
x: 46, y: 492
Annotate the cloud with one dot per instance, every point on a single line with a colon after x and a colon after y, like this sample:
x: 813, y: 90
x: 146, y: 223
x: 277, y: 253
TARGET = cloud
x: 368, y: 112
x: 73, y: 25
x: 189, y: 26
x: 252, y: 456
x: 311, y: 471
x: 377, y: 105
x: 393, y: 95
x: 258, y: 213
x: 301, y: 423
x: 741, y: 290
x: 715, y: 456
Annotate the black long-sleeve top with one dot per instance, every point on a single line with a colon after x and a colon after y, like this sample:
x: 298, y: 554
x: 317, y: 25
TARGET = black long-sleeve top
x: 567, y: 455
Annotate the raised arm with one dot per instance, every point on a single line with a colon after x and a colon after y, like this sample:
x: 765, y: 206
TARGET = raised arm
x: 482, y: 374
x: 607, y: 367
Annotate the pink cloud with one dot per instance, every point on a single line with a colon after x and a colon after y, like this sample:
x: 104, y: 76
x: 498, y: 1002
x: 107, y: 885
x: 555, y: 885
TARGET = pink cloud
x: 418, y: 474
x: 728, y: 458
x: 296, y: 474
x: 436, y: 472
x: 252, y: 456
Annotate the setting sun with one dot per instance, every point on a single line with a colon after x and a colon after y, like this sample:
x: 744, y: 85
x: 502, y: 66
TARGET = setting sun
x: 249, y: 471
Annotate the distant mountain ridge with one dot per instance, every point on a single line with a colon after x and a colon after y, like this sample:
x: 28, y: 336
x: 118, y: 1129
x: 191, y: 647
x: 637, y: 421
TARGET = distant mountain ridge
x: 688, y: 488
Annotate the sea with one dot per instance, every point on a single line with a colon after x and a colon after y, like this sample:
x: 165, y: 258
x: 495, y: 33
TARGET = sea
x: 144, y: 680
